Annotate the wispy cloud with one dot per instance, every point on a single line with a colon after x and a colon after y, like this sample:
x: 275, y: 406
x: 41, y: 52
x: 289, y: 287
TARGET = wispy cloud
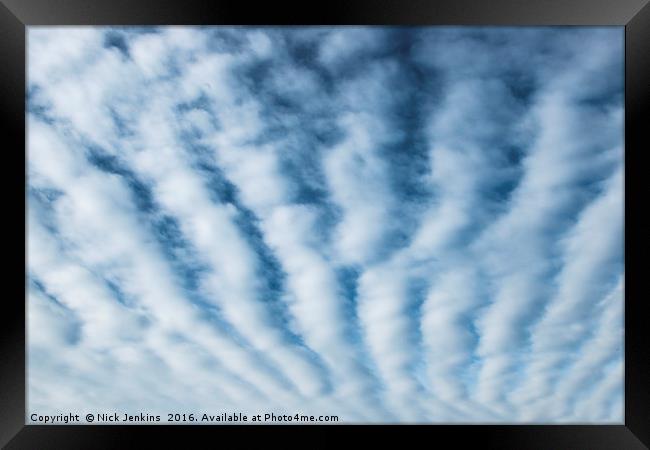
x: 390, y: 225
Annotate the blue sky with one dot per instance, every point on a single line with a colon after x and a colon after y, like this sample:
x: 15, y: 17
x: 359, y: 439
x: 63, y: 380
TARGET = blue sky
x: 387, y: 224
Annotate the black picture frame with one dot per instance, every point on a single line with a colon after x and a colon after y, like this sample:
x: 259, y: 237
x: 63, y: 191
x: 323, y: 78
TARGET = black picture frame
x: 634, y: 15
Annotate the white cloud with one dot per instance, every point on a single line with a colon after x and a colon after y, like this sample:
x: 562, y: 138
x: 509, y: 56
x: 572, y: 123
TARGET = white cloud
x: 390, y: 225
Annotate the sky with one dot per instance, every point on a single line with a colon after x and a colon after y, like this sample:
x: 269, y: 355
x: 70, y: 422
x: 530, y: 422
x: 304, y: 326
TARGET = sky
x: 390, y: 225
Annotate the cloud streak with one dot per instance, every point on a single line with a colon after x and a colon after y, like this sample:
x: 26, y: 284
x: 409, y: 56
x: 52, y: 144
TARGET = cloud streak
x: 389, y: 225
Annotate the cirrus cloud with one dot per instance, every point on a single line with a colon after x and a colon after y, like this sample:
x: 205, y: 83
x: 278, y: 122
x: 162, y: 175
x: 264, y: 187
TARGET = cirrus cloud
x: 386, y: 224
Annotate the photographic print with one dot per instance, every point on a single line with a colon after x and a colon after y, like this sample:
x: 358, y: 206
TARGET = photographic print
x: 325, y: 225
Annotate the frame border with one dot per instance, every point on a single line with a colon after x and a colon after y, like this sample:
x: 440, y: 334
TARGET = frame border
x: 634, y: 15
